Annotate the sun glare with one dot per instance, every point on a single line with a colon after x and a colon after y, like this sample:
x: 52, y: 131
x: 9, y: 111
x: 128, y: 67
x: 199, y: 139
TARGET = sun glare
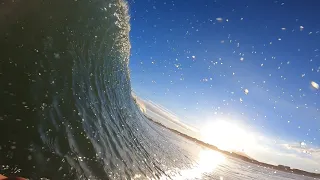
x: 227, y: 136
x: 208, y: 161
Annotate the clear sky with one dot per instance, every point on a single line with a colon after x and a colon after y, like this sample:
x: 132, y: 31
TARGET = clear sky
x: 252, y: 64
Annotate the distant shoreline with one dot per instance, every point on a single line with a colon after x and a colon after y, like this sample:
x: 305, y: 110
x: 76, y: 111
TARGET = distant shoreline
x: 241, y: 157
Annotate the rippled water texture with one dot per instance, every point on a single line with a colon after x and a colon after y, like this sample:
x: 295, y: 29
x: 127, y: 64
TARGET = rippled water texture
x: 66, y: 106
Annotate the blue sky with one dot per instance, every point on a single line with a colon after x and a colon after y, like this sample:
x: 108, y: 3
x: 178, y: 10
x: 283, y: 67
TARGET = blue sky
x: 196, y: 59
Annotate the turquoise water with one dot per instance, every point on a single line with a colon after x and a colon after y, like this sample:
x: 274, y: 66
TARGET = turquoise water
x: 66, y: 105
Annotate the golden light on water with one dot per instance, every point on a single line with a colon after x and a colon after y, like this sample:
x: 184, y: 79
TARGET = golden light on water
x: 208, y: 161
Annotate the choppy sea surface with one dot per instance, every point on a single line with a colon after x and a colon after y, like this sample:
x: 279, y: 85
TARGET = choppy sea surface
x: 66, y: 110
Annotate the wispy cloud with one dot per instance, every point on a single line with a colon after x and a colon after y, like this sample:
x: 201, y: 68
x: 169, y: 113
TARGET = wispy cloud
x: 164, y: 113
x: 304, y: 150
x: 283, y: 152
x: 161, y: 110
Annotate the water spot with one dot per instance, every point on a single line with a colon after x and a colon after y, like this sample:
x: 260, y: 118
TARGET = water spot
x: 56, y: 55
x: 43, y: 106
x: 219, y: 19
x: 246, y: 91
x: 314, y: 85
x: 301, y: 28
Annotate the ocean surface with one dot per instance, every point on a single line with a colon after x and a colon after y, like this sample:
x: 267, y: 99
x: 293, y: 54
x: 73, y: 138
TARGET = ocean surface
x: 66, y: 110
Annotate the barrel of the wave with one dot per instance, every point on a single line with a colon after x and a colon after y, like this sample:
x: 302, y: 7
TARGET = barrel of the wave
x: 44, y: 45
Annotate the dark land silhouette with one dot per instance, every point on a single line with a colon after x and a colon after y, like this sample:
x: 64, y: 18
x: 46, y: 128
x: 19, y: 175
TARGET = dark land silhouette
x: 241, y: 156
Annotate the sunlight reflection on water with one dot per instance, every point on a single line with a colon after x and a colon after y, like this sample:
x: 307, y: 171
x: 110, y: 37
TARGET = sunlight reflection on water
x: 208, y: 161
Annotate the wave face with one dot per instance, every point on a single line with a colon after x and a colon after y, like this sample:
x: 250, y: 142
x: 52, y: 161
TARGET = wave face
x: 66, y: 105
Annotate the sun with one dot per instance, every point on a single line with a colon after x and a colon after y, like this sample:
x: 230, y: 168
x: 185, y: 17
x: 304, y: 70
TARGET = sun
x: 227, y: 136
